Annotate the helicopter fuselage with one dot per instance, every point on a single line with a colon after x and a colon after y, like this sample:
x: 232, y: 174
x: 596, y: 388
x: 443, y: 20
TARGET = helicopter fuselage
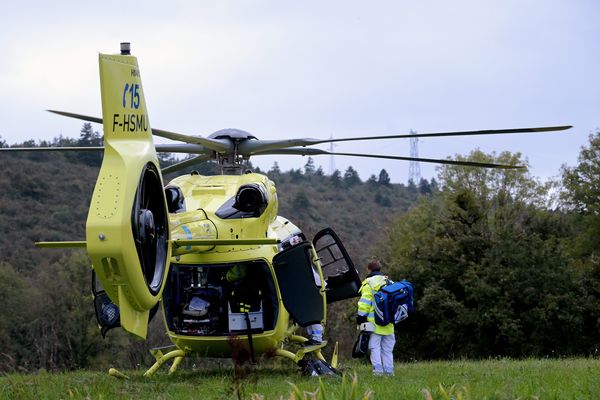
x: 203, y: 207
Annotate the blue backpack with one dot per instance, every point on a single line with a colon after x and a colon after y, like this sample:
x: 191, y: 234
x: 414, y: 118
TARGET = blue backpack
x: 393, y: 302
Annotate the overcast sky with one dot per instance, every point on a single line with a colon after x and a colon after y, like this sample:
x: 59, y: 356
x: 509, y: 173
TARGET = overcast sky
x: 283, y: 69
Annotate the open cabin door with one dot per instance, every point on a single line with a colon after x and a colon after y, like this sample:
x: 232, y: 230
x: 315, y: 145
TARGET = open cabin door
x: 127, y: 229
x: 302, y: 298
x: 339, y: 272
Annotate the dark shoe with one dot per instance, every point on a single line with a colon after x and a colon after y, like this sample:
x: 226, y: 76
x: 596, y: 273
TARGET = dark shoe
x: 312, y: 342
x: 316, y: 368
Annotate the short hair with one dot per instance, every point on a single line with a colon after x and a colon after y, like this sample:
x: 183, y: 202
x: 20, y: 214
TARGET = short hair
x: 374, y: 266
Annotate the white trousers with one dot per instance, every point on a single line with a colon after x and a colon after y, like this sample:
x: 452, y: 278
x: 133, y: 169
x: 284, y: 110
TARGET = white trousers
x: 315, y: 332
x: 381, y: 349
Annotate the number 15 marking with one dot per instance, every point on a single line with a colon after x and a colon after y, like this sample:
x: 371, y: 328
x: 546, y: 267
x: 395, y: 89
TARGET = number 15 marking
x: 134, y: 95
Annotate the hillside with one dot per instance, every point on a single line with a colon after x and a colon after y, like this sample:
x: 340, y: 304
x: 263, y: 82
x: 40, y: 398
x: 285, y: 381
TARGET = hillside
x: 45, y: 197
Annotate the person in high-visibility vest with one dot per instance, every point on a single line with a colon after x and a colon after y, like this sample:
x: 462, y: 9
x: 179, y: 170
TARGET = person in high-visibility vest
x: 245, y: 296
x: 382, y: 340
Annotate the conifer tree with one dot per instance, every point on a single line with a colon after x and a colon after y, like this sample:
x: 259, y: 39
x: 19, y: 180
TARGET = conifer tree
x: 274, y: 172
x: 384, y: 178
x: 351, y: 177
x: 309, y: 167
x: 336, y: 178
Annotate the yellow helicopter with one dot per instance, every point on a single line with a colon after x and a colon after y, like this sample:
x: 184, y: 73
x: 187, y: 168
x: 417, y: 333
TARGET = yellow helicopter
x: 212, y: 251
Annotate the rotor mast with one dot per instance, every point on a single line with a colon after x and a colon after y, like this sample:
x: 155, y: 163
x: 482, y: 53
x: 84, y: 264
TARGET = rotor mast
x: 232, y: 161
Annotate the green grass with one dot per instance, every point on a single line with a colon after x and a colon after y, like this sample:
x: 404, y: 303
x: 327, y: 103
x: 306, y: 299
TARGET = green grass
x: 491, y: 379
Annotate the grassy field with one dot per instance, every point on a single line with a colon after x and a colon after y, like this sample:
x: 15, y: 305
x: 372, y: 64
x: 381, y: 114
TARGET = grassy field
x: 491, y: 379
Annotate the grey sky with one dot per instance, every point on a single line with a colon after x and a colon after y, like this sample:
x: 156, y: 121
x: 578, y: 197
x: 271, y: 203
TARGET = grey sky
x: 284, y: 69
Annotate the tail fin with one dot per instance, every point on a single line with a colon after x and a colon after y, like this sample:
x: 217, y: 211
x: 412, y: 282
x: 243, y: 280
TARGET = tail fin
x: 127, y: 231
x: 123, y: 104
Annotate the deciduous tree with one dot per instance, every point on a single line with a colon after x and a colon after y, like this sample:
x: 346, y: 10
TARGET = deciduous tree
x: 490, y: 268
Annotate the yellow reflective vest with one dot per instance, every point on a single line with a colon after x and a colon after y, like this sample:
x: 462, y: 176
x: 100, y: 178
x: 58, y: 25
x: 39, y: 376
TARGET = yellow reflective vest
x: 365, y: 305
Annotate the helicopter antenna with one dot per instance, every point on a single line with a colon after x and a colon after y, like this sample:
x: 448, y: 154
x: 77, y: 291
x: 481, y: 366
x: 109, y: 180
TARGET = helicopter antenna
x: 414, y: 169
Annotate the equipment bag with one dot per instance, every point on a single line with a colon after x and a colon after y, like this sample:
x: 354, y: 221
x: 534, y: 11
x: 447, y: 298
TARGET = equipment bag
x: 393, y: 302
x: 361, y: 346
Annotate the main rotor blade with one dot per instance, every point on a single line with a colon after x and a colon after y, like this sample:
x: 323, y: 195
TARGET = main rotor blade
x: 462, y: 133
x: 314, y: 152
x: 162, y: 148
x: 42, y: 149
x: 253, y: 147
x: 219, y: 145
x: 187, y: 148
x: 77, y: 116
x: 185, y: 164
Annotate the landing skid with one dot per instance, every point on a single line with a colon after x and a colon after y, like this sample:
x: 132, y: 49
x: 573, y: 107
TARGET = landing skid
x: 309, y: 366
x: 162, y: 358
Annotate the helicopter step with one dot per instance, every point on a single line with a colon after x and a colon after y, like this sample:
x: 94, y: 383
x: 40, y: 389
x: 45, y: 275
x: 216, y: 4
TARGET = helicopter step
x: 309, y: 366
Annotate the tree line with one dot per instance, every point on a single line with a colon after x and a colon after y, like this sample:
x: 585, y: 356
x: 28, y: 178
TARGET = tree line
x: 503, y: 265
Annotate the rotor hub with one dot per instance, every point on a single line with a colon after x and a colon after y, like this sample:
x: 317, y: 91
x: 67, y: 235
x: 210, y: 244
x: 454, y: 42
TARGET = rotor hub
x: 232, y: 134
